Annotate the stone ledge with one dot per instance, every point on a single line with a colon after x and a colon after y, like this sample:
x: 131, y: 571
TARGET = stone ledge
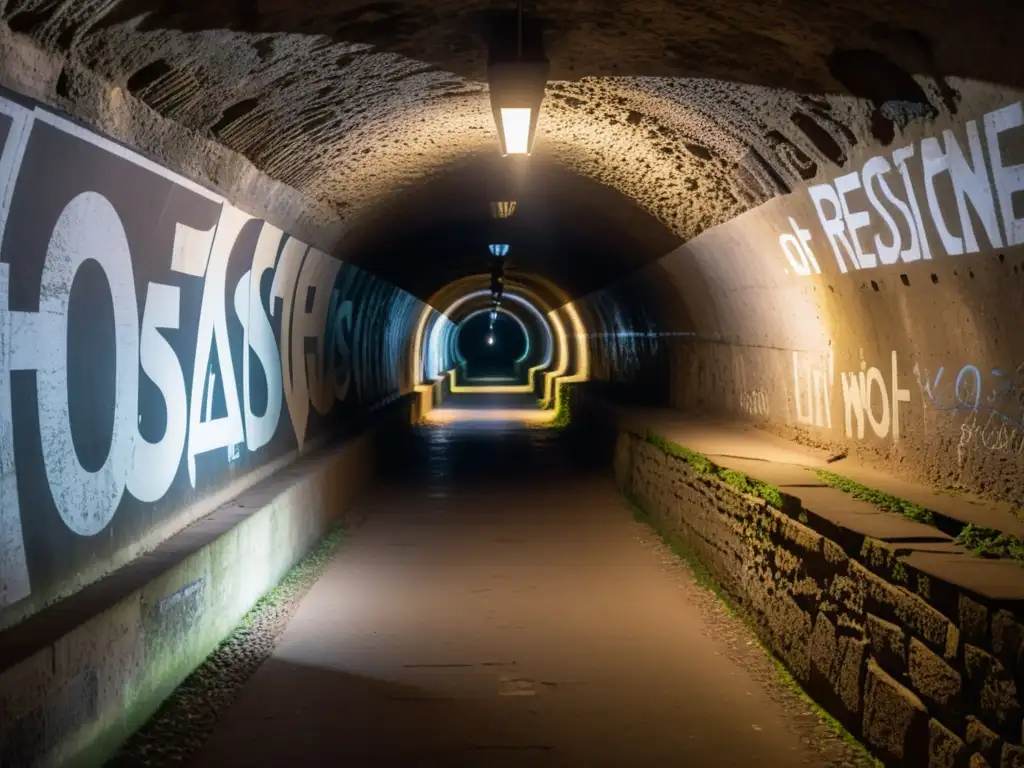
x: 79, y: 677
x: 915, y: 683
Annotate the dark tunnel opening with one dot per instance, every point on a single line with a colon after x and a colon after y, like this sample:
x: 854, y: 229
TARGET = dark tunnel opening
x: 492, y: 350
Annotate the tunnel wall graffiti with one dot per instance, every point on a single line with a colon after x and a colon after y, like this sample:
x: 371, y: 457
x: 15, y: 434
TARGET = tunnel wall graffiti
x: 876, y: 312
x: 157, y: 345
x: 628, y: 343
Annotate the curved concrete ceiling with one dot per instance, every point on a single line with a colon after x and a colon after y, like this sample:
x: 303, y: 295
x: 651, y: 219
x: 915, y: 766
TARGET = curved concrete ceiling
x: 669, y: 118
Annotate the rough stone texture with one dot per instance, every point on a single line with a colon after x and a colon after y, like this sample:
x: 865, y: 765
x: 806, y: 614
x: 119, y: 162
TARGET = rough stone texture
x: 895, y: 720
x: 993, y: 689
x: 945, y: 749
x: 911, y: 611
x: 881, y: 658
x: 823, y: 649
x: 982, y: 739
x: 977, y: 761
x: 352, y: 128
x: 934, y: 679
x: 1007, y: 636
x: 848, y: 683
x: 973, y: 621
x: 362, y: 123
x: 1013, y: 756
x: 888, y: 645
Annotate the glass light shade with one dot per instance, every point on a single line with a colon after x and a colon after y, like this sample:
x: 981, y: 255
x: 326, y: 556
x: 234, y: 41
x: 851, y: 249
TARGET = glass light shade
x: 498, y: 249
x: 517, y: 90
x: 515, y: 124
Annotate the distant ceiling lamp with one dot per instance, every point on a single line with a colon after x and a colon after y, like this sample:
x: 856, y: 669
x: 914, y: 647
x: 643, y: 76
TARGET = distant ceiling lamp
x: 503, y: 210
x: 498, y: 250
x: 517, y: 89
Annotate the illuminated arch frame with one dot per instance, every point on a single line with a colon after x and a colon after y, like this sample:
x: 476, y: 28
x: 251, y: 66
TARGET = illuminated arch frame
x: 502, y: 388
x: 438, y: 338
x: 554, y: 380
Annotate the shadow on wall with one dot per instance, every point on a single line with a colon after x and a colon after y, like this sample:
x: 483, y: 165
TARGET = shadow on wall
x: 164, y: 349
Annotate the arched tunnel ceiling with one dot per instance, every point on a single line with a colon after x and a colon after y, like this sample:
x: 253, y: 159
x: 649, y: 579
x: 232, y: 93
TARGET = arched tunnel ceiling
x: 691, y: 112
x: 579, y: 233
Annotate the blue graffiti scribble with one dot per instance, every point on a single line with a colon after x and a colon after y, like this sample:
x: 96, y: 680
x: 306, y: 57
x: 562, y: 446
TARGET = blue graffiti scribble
x: 968, y: 370
x: 1005, y: 404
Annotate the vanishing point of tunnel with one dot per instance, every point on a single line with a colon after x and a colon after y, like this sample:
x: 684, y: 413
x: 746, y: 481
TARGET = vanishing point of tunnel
x: 511, y: 383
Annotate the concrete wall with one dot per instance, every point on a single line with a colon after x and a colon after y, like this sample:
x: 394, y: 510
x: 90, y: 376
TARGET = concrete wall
x: 160, y: 350
x: 923, y: 671
x: 74, y: 686
x: 874, y: 312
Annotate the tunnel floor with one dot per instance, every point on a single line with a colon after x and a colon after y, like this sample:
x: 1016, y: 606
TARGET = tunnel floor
x: 499, y: 606
x: 494, y: 407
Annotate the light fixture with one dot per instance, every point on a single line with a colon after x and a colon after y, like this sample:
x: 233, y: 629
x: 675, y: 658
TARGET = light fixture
x: 498, y: 250
x: 490, y: 339
x: 503, y: 210
x: 517, y: 89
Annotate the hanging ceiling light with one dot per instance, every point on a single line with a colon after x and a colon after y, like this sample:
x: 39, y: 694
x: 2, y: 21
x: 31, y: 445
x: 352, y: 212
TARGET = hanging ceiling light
x: 498, y: 250
x: 517, y: 89
x: 503, y: 210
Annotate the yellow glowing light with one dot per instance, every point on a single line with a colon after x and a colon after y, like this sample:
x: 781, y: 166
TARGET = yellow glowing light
x: 526, y: 415
x: 487, y: 389
x: 515, y: 123
x: 552, y: 376
x: 555, y: 380
x: 582, y: 356
x: 503, y: 210
x: 429, y: 394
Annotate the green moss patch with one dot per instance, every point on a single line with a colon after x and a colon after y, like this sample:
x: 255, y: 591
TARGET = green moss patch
x: 880, y: 499
x: 187, y: 718
x: 704, y: 466
x: 563, y: 414
x: 988, y: 542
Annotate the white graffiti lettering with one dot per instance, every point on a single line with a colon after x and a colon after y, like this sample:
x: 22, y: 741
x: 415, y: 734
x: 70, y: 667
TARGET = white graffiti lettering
x: 294, y: 329
x: 957, y: 160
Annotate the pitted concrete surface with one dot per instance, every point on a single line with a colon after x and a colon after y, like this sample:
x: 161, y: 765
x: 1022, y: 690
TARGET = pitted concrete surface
x: 480, y: 619
x: 694, y: 113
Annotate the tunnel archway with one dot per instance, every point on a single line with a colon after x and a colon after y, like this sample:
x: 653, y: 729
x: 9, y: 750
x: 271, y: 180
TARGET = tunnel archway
x: 784, y: 219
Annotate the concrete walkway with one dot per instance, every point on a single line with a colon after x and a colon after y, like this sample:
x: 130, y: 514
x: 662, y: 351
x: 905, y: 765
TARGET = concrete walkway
x: 500, y: 607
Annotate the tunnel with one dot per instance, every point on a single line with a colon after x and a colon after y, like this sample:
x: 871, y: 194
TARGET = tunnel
x: 521, y: 382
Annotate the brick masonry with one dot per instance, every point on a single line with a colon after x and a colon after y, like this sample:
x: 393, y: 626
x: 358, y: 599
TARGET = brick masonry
x: 923, y: 672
